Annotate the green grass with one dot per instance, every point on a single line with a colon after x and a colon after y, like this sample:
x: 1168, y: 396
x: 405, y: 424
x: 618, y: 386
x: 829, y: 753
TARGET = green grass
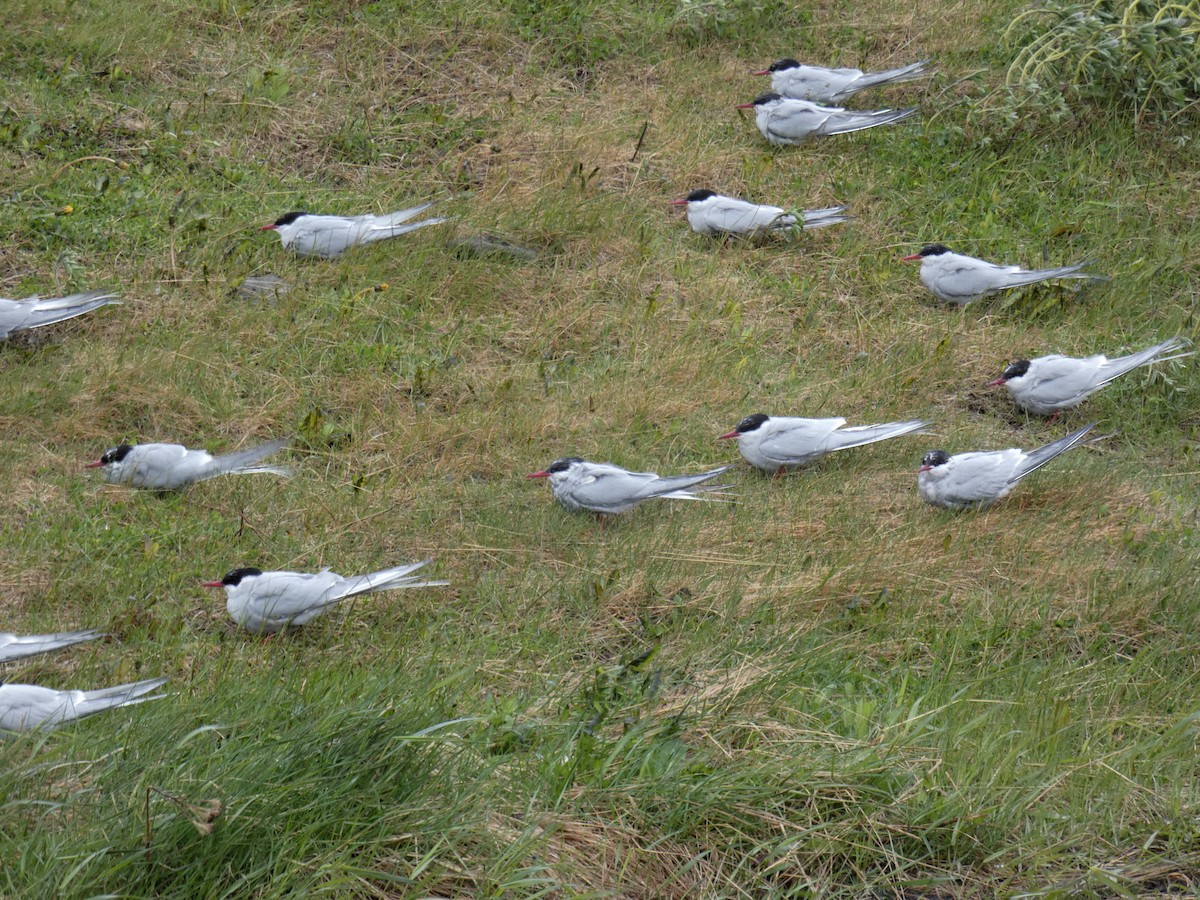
x: 824, y: 689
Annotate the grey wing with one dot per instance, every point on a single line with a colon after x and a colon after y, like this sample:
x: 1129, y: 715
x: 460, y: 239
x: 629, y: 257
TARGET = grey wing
x: 24, y: 707
x: 740, y: 216
x: 982, y: 476
x: 330, y: 236
x: 169, y: 466
x: 967, y: 279
x: 799, y: 439
x: 607, y: 487
x: 797, y: 121
x: 282, y: 598
x: 14, y: 646
x: 14, y: 314
x: 1060, y: 379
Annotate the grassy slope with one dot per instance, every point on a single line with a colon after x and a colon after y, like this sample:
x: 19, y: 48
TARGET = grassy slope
x: 825, y: 687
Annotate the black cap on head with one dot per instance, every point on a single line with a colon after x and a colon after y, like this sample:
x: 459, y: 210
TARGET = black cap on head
x: 235, y: 577
x: 751, y: 423
x: 115, y: 454
x: 935, y: 458
x: 289, y: 218
x: 561, y: 465
x: 766, y: 98
x: 782, y: 65
x: 700, y: 194
x: 1016, y: 369
x: 934, y: 250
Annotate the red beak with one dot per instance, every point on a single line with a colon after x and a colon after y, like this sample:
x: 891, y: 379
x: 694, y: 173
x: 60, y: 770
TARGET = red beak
x: 539, y: 475
x: 267, y: 228
x: 997, y: 382
x: 212, y: 584
x: 924, y: 468
x: 679, y: 203
x: 97, y: 464
x: 911, y: 258
x: 744, y: 106
x: 762, y: 72
x: 726, y: 437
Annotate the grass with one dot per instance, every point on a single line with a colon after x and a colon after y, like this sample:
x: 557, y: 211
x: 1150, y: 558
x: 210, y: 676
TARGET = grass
x: 823, y: 689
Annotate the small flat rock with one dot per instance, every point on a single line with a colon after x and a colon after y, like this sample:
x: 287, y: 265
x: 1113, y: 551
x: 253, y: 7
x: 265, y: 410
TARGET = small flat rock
x: 256, y: 286
x: 490, y: 245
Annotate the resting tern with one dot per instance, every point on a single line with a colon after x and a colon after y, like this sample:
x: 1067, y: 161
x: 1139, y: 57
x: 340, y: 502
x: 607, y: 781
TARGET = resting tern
x: 330, y: 236
x: 14, y: 646
x: 267, y: 602
x: 960, y: 279
x: 34, y: 312
x: 606, y: 489
x: 169, y: 467
x: 1049, y: 384
x: 27, y: 707
x: 775, y: 443
x: 787, y: 123
x: 711, y: 213
x: 980, y: 479
x: 800, y: 82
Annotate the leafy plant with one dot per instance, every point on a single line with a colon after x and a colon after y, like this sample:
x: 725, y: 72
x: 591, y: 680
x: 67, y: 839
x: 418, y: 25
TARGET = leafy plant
x: 1141, y: 54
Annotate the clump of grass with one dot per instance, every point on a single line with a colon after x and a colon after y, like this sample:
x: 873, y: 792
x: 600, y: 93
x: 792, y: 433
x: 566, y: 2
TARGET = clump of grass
x: 1142, y: 54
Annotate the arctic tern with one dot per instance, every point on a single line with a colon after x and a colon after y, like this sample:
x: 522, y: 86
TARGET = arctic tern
x: 27, y: 707
x: 978, y: 480
x: 960, y: 279
x: 13, y: 646
x: 34, y: 312
x: 775, y: 443
x: 330, y: 236
x: 169, y: 467
x: 787, y: 123
x: 800, y: 82
x: 605, y: 489
x: 1049, y: 384
x: 711, y: 213
x: 267, y: 602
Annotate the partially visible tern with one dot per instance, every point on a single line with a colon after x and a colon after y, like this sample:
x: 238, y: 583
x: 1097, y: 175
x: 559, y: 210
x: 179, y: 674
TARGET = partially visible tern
x: 330, y: 236
x: 169, y: 467
x: 13, y: 646
x: 785, y: 122
x: 1049, y: 384
x: 28, y: 707
x: 34, y: 312
x: 977, y: 480
x: 605, y: 489
x: 960, y: 279
x: 267, y: 602
x: 790, y: 78
x: 711, y: 213
x: 775, y: 443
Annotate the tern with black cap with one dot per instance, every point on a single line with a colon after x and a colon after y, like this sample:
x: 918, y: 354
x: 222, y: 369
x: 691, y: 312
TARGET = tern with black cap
x: 330, y: 236
x: 793, y: 79
x: 776, y: 443
x: 711, y: 213
x: 977, y: 480
x: 267, y: 602
x: 786, y: 123
x: 169, y: 467
x: 960, y: 279
x: 1049, y: 384
x: 605, y: 489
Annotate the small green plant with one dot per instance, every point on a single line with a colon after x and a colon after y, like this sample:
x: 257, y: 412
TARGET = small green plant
x: 1142, y: 54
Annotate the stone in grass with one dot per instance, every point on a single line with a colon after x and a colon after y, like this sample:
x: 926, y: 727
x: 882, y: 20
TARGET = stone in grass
x: 485, y: 244
x: 254, y: 287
